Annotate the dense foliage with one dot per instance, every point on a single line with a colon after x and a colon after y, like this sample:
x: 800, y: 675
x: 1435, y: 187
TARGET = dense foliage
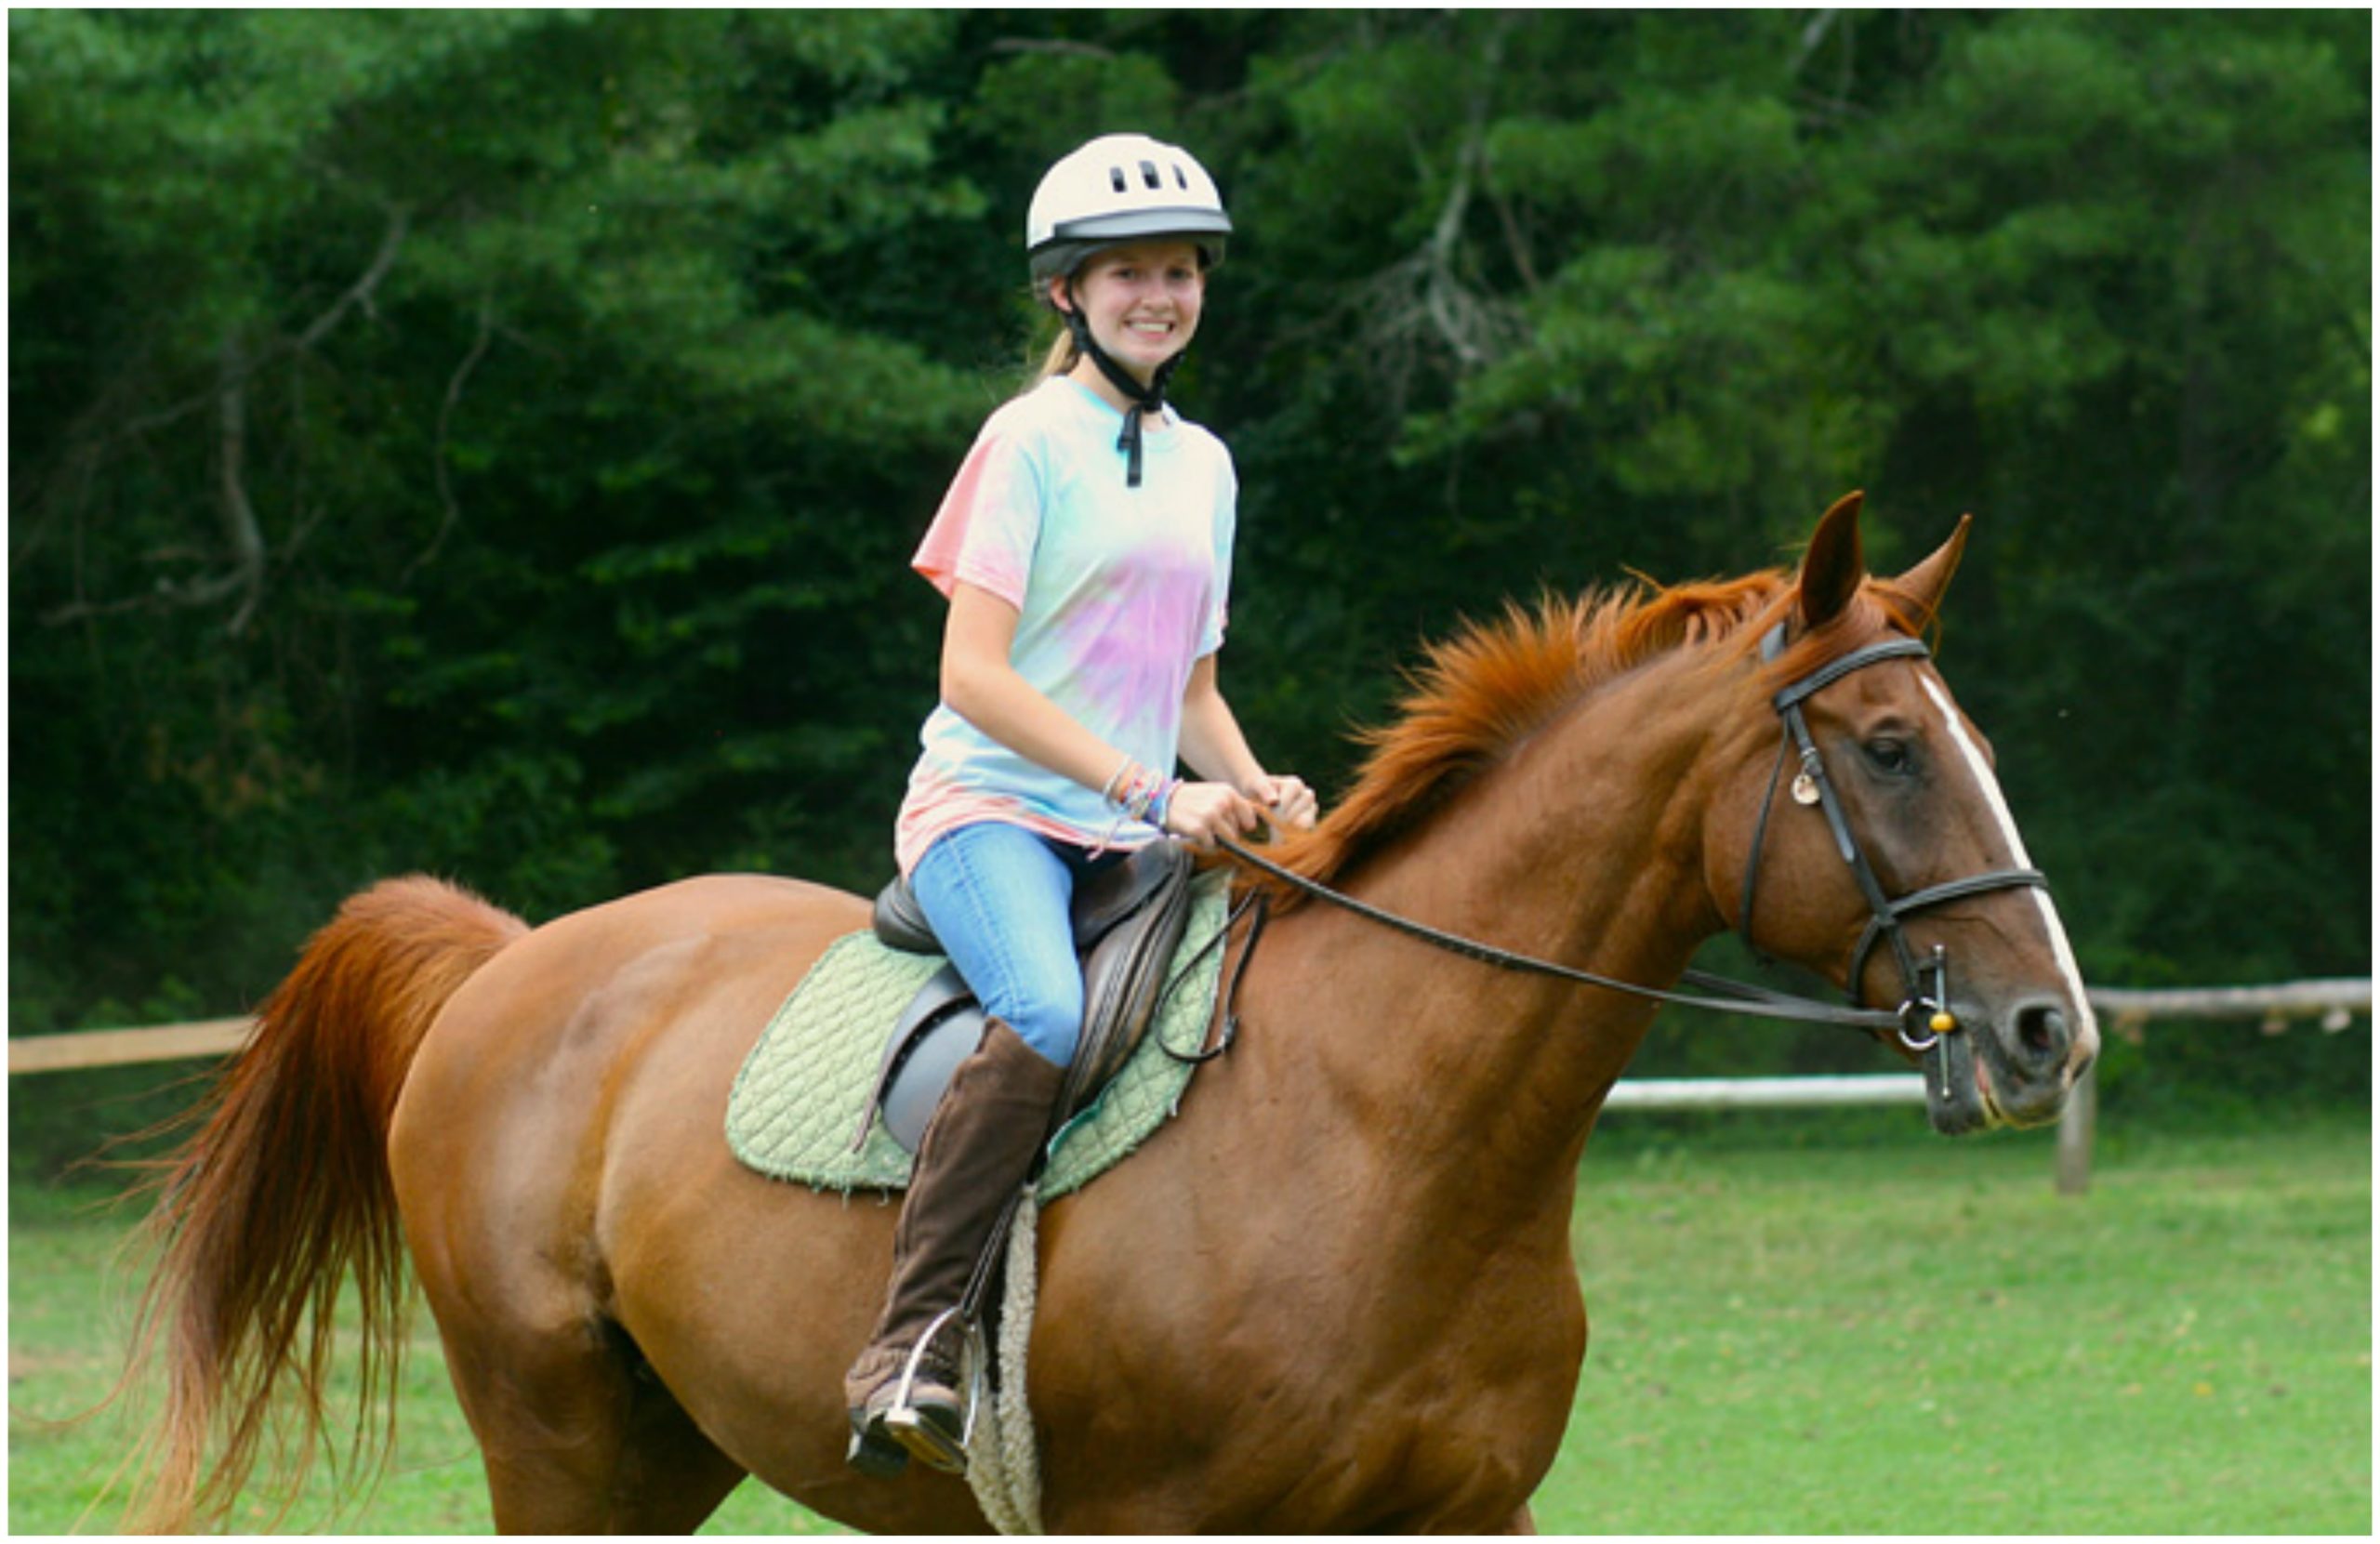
x: 490, y: 441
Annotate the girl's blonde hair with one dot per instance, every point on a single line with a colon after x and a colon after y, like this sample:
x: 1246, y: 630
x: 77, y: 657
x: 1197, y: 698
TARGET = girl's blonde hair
x: 1061, y: 355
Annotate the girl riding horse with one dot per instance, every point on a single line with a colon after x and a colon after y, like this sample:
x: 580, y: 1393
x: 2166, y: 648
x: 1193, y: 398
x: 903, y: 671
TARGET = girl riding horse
x: 1084, y: 549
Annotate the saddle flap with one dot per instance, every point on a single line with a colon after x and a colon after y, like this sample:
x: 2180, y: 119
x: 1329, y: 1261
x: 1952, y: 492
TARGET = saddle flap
x: 1135, y: 915
x: 1123, y: 975
x: 943, y: 1003
x: 1105, y: 900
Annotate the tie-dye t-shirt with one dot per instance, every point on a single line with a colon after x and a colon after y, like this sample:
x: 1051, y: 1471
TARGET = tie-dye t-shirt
x: 1119, y: 591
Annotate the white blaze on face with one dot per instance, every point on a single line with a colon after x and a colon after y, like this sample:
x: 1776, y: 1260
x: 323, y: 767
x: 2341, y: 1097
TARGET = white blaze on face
x: 2087, y: 1031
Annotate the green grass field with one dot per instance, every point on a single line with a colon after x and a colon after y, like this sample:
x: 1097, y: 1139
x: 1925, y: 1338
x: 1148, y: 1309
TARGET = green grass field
x: 1924, y: 1339
x: 1891, y: 1334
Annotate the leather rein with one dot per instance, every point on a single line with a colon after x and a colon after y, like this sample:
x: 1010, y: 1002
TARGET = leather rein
x: 1924, y: 1016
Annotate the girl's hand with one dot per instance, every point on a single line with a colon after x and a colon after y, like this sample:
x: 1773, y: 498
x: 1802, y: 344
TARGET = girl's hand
x: 1286, y: 800
x: 1201, y: 812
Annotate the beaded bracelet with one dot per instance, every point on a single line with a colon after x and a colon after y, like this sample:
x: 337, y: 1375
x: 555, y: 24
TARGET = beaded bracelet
x: 1107, y: 792
x: 1130, y: 789
x: 1162, y: 802
x: 1141, y: 794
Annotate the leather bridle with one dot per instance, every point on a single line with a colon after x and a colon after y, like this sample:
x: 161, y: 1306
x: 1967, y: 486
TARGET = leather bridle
x: 1924, y: 1016
x: 1925, y: 1013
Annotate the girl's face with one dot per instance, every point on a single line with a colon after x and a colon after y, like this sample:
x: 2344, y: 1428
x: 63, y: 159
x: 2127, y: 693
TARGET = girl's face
x: 1142, y: 301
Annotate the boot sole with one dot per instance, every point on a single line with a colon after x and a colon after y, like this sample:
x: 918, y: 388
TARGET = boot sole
x: 929, y: 1435
x: 873, y: 1453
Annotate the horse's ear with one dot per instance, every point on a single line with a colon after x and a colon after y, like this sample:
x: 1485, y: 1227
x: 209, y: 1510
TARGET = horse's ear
x: 1832, y: 568
x: 1926, y: 581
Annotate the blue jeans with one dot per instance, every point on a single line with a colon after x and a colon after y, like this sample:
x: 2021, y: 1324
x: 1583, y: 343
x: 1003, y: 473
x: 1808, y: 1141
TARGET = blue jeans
x: 998, y: 898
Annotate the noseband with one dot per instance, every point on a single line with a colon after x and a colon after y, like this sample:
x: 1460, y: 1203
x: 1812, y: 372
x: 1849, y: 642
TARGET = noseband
x: 1924, y: 1016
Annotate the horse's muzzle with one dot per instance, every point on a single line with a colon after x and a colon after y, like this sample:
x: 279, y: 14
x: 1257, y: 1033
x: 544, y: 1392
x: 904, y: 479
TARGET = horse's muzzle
x: 2013, y: 1067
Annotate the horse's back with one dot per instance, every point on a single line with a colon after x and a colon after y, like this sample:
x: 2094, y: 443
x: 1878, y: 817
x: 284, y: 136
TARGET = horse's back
x: 589, y: 984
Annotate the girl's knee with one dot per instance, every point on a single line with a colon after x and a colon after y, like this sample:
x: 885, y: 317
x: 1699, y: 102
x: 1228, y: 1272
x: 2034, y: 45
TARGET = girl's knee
x: 1051, y: 1029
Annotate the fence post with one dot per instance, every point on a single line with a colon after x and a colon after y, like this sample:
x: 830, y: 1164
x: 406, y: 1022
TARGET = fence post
x: 2075, y: 1129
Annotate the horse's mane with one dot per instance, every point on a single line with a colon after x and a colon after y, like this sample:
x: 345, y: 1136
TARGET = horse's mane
x: 1478, y: 694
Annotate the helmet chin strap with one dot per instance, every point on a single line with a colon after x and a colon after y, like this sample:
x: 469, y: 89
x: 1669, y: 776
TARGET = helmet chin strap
x: 1148, y: 399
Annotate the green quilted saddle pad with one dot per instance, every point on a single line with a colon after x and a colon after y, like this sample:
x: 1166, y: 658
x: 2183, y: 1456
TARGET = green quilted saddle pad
x: 798, y: 1096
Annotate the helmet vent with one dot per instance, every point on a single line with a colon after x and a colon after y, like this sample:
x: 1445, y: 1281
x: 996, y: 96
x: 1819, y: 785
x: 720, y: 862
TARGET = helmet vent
x: 1148, y: 175
x: 1115, y: 178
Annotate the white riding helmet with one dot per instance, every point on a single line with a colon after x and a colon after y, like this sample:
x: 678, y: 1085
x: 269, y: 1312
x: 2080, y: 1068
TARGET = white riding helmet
x: 1122, y: 188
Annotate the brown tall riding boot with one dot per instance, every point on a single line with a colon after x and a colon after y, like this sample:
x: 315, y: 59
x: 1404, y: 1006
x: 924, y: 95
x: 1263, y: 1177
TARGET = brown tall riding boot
x: 973, y: 1158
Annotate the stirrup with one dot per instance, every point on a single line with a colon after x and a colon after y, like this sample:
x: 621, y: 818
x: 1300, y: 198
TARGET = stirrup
x: 923, y: 1439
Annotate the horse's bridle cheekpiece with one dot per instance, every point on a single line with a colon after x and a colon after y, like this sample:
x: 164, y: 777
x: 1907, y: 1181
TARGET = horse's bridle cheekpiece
x: 1924, y: 1014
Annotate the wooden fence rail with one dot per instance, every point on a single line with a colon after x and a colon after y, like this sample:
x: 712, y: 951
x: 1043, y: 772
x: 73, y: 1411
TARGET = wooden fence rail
x: 125, y: 1048
x: 2333, y: 1002
x: 2333, y: 999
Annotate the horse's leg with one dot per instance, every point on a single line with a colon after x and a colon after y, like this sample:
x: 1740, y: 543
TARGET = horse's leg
x: 1521, y: 1522
x: 498, y: 1173
x: 581, y: 1437
x: 579, y: 1434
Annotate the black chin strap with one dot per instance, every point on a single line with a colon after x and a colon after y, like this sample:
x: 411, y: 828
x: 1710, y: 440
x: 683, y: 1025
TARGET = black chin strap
x: 1148, y: 399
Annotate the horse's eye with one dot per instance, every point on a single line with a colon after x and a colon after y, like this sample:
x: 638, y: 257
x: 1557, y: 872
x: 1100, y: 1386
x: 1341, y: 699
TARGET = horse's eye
x: 1888, y: 756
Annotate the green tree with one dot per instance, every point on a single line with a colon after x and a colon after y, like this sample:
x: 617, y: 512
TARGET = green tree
x: 492, y: 441
x: 473, y: 440
x: 1647, y: 290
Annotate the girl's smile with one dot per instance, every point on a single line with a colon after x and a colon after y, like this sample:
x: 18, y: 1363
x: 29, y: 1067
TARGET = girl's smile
x: 1142, y: 304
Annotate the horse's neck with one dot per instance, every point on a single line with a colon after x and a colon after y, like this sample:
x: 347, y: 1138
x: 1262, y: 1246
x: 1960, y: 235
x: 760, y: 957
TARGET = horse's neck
x: 1584, y: 847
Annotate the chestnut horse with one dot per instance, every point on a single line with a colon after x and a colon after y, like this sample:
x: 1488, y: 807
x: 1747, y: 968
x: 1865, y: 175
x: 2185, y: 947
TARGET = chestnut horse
x: 1336, y: 1293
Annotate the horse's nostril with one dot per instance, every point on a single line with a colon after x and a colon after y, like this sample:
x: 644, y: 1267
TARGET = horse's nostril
x: 2042, y: 1031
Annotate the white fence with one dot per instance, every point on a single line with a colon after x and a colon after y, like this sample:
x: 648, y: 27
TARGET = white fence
x: 1766, y: 1093
x: 2334, y: 1003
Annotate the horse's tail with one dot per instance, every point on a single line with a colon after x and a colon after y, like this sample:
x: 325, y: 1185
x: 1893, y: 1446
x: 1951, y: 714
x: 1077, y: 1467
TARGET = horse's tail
x: 283, y: 1193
